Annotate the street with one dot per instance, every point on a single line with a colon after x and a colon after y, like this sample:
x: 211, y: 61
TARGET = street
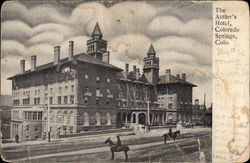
x: 143, y: 147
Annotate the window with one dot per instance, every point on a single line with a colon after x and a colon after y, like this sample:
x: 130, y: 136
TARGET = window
x: 108, y: 91
x: 170, y: 99
x: 36, y: 129
x: 108, y: 119
x: 27, y: 128
x: 170, y: 105
x: 98, y: 118
x: 60, y: 89
x: 16, y: 102
x: 86, y: 76
x: 40, y: 115
x: 26, y: 101
x: 34, y: 115
x: 97, y: 79
x: 66, y: 88
x: 29, y: 115
x: 86, y: 100
x: 59, y: 99
x: 50, y: 100
x: 86, y: 119
x: 107, y: 102
x: 65, y: 99
x: 72, y: 99
x: 108, y: 80
x: 72, y: 88
x: 98, y: 92
x: 97, y: 101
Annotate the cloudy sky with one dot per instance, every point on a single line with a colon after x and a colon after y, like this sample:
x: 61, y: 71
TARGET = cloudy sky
x: 181, y: 34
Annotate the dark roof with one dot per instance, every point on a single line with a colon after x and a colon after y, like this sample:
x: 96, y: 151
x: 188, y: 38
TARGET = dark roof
x: 97, y: 31
x: 173, y: 79
x: 80, y: 57
x: 151, y: 50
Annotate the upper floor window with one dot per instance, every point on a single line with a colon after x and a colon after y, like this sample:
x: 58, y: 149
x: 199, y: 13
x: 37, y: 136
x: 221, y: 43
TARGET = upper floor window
x: 86, y: 100
x: 72, y: 99
x: 50, y: 100
x: 170, y: 99
x: 108, y: 80
x: 97, y: 79
x: 108, y: 91
x: 59, y: 99
x: 72, y: 88
x: 65, y: 99
x: 98, y: 92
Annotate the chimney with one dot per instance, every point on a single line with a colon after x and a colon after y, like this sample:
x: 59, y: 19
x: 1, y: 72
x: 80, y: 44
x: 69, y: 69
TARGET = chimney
x: 105, y: 57
x: 33, y: 62
x: 134, y: 70
x: 56, y: 55
x: 178, y: 75
x: 71, y: 50
x: 138, y: 73
x: 22, y: 64
x: 126, y: 69
x: 183, y: 76
x: 168, y: 74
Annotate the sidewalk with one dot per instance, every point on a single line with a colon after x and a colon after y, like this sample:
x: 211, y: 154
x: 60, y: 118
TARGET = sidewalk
x: 153, y: 132
x: 67, y: 139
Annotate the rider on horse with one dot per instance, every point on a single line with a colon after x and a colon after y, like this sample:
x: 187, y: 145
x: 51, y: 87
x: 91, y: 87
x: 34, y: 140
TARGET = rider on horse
x: 118, y: 143
x: 170, y: 132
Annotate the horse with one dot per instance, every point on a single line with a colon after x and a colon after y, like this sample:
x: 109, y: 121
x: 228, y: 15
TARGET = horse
x: 115, y: 148
x: 173, y: 135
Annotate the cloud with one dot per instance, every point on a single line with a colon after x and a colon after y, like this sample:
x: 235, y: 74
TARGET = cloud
x: 130, y: 47
x: 188, y: 46
x: 12, y: 10
x: 199, y: 29
x: 17, y: 30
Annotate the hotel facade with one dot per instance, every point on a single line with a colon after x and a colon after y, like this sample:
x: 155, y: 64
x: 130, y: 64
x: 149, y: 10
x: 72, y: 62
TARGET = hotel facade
x: 85, y: 91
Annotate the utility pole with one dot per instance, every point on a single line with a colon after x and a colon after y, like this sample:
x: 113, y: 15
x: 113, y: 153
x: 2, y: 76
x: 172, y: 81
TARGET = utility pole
x: 48, y: 120
x: 148, y: 114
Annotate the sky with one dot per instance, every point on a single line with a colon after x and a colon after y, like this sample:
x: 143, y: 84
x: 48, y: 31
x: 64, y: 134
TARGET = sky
x: 181, y: 33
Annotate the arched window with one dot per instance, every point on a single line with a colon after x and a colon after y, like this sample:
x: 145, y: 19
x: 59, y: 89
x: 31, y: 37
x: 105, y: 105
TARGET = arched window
x: 108, y: 118
x: 71, y: 117
x: 98, y: 118
x: 65, y: 116
x: 86, y: 119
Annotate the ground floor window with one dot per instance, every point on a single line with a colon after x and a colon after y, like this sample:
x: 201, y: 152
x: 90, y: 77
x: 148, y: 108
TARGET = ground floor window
x: 98, y: 118
x: 86, y: 119
x: 108, y: 118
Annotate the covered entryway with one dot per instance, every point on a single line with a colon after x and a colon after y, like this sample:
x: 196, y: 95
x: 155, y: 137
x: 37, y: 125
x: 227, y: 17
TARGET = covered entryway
x: 142, y: 118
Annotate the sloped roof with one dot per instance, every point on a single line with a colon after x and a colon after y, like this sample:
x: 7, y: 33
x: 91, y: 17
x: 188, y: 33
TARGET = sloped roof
x: 80, y: 57
x: 151, y: 50
x: 173, y: 79
x: 97, y: 31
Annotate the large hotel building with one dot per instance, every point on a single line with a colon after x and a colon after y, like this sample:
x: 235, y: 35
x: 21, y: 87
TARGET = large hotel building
x: 84, y: 92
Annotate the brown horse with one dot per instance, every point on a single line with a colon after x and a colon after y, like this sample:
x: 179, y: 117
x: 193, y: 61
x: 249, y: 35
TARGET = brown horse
x: 115, y: 148
x: 172, y: 135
